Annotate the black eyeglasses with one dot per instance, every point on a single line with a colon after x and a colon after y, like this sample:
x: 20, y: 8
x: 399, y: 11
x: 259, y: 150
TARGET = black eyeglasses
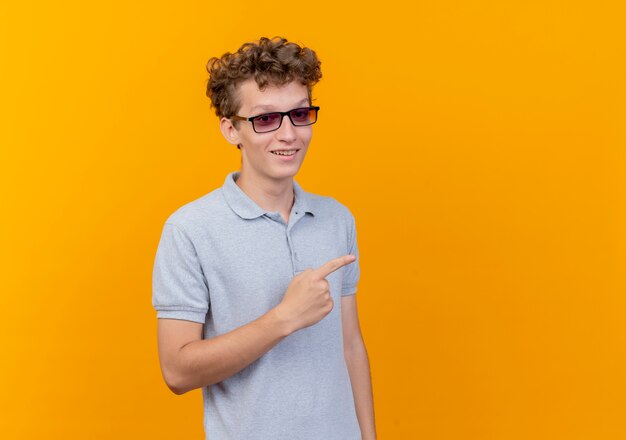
x: 272, y: 121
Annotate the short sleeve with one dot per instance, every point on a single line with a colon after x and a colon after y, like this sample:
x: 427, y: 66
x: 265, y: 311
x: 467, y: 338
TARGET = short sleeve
x: 179, y: 287
x: 352, y: 271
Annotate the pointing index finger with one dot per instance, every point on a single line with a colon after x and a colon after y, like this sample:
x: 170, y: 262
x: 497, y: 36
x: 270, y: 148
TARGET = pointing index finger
x: 330, y: 266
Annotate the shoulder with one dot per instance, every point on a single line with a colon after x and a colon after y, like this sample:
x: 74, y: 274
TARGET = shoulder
x: 196, y: 214
x: 327, y: 206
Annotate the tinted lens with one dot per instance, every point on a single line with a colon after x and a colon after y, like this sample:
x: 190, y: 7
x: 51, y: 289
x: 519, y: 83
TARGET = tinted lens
x: 303, y: 116
x: 266, y: 122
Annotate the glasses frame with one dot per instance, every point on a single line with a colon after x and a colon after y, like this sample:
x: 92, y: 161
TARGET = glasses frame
x: 282, y: 116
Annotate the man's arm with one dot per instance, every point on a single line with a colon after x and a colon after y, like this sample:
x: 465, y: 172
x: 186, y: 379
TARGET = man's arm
x: 189, y: 362
x: 358, y: 367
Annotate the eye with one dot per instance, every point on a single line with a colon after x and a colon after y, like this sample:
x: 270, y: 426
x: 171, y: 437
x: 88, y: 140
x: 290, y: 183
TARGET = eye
x: 300, y: 114
x: 266, y: 119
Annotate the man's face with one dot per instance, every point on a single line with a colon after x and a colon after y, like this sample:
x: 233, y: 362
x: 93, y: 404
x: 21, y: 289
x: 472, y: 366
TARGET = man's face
x: 256, y: 147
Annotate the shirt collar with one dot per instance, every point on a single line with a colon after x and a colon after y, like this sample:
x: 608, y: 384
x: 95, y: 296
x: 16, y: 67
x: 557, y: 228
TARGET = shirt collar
x: 247, y: 208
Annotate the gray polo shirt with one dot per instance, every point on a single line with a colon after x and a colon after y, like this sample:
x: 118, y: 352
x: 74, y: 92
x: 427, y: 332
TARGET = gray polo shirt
x: 223, y: 261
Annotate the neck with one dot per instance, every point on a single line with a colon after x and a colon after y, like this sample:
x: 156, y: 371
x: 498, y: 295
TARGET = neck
x: 275, y: 195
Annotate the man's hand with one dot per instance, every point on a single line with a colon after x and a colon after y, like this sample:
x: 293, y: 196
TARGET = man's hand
x: 307, y: 299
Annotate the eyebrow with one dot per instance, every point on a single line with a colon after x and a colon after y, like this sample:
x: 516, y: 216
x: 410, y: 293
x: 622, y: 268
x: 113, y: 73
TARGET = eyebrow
x: 271, y: 107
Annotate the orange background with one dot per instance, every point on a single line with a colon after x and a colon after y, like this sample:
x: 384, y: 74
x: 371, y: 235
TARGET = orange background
x: 479, y: 144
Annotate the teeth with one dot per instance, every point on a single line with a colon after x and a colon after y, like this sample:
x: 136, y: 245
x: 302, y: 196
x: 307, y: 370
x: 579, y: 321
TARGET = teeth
x: 285, y: 153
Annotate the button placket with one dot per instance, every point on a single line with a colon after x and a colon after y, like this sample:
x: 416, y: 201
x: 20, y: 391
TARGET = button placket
x: 296, y: 215
x: 291, y: 253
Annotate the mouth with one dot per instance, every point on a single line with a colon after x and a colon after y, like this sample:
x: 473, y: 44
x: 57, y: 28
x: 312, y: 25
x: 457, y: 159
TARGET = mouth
x: 285, y: 155
x: 285, y: 152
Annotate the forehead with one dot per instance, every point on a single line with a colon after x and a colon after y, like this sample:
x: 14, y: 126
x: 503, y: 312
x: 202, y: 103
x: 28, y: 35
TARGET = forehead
x: 272, y: 98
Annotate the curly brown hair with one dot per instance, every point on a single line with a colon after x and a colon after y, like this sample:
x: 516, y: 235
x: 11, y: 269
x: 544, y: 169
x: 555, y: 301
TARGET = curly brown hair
x: 270, y: 61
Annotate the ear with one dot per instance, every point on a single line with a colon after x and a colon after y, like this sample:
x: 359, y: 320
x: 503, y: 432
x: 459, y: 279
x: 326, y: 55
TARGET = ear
x: 229, y: 131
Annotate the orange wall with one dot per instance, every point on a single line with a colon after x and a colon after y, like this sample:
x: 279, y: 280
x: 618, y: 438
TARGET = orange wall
x: 480, y: 145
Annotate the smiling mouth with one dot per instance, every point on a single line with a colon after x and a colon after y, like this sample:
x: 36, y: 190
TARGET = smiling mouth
x: 284, y: 153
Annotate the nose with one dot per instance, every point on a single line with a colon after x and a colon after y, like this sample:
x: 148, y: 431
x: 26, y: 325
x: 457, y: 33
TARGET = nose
x: 286, y: 132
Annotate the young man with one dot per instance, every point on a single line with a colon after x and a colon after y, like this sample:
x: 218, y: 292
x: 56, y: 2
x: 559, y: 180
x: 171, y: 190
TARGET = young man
x: 254, y: 283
